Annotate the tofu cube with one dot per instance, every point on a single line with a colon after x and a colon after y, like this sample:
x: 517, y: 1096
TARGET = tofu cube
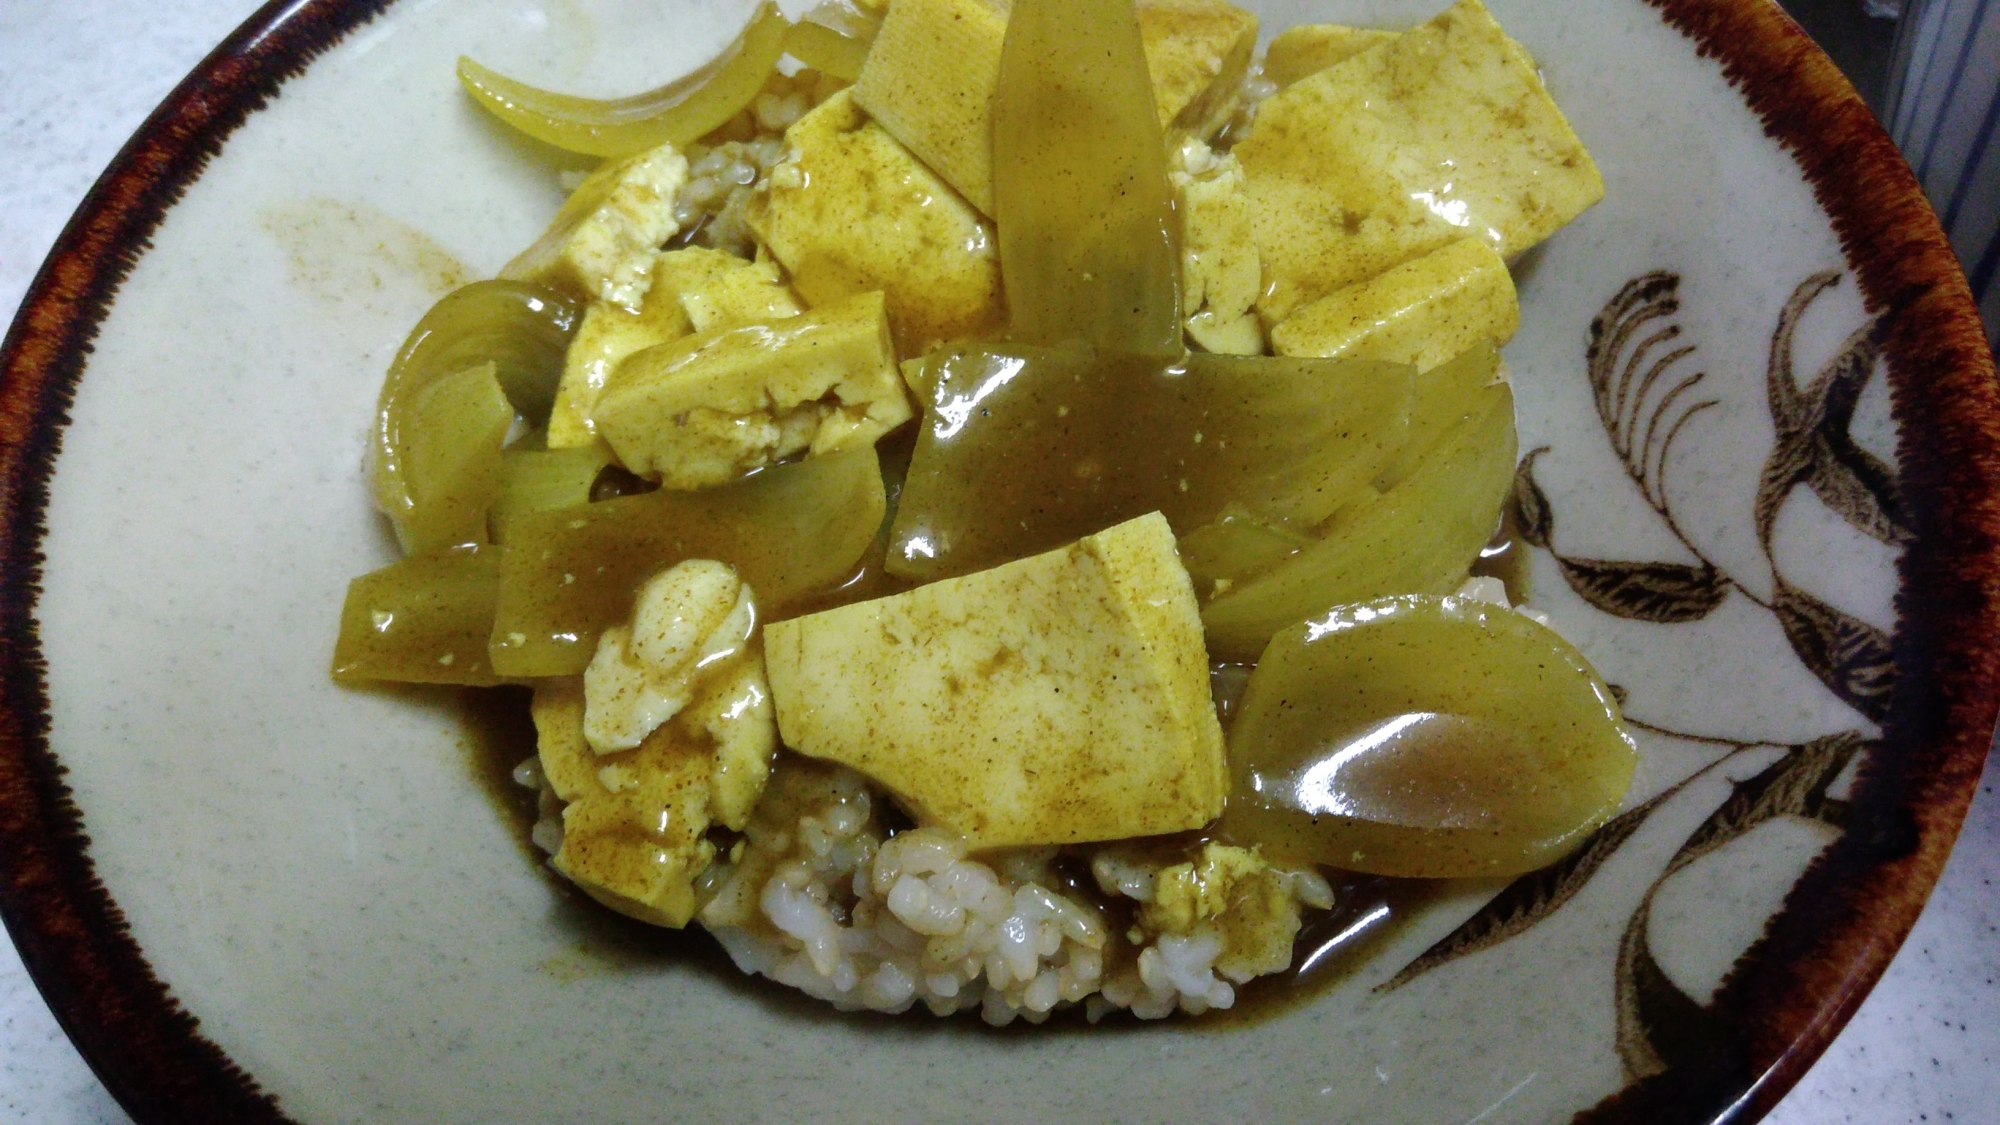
x: 703, y: 410
x: 607, y: 335
x: 693, y: 290
x: 602, y: 243
x: 1057, y: 699
x: 929, y: 80
x: 852, y: 211
x: 1423, y: 312
x: 1305, y: 50
x: 1197, y: 53
x: 1444, y: 133
x: 718, y: 290
x: 930, y: 76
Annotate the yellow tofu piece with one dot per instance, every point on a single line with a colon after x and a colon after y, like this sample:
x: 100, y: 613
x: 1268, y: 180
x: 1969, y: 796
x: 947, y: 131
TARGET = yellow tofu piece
x: 918, y: 377
x: 633, y: 823
x: 735, y: 714
x: 1423, y: 312
x: 607, y: 335
x: 1305, y: 50
x: 1221, y: 274
x: 853, y: 211
x: 693, y: 290
x: 636, y: 810
x: 1197, y: 53
x: 930, y: 76
x: 703, y: 410
x: 1056, y: 699
x: 718, y: 290
x: 1186, y: 894
x: 603, y: 241
x: 929, y: 80
x: 1444, y: 133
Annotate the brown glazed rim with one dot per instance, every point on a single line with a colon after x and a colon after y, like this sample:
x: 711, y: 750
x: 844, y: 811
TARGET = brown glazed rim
x: 72, y: 937
x: 1841, y: 923
x: 1844, y: 919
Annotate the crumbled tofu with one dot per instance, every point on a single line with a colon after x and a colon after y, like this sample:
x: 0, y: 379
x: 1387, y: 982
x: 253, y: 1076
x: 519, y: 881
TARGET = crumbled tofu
x: 1423, y: 312
x: 1221, y: 275
x: 852, y: 211
x: 930, y: 76
x: 1444, y: 133
x: 1185, y: 893
x: 686, y: 621
x: 718, y: 290
x: 706, y: 409
x: 1056, y: 699
x: 1305, y: 50
x: 1236, y: 894
x: 783, y: 825
x: 636, y: 848
x: 640, y: 796
x: 602, y: 243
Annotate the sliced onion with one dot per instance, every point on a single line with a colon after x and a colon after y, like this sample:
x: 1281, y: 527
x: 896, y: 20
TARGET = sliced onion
x: 678, y: 113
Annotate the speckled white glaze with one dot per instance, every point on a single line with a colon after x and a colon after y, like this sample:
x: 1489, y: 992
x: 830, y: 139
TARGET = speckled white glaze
x: 316, y: 877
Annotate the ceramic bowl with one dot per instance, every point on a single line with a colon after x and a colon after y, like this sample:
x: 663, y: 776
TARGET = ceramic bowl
x: 1763, y: 441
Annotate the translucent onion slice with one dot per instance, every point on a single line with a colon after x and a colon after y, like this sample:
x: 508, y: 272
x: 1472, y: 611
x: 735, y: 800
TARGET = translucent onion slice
x: 1089, y: 242
x: 454, y: 430
x: 422, y: 620
x: 522, y: 329
x: 569, y: 573
x: 1425, y: 737
x: 679, y: 112
x: 543, y: 480
x: 1420, y: 536
x: 1026, y: 448
x: 1237, y: 545
x: 826, y: 50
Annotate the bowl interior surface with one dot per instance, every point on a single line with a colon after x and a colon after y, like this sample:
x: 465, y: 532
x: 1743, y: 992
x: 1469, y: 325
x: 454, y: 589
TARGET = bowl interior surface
x: 319, y: 876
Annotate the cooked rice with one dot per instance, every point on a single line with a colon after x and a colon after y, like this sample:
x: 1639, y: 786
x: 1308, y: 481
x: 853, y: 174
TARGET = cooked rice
x: 819, y: 896
x: 733, y: 164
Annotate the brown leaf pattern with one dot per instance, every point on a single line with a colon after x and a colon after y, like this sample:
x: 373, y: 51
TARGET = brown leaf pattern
x: 1794, y: 785
x: 1641, y: 412
x: 1633, y: 347
x: 1850, y: 656
x: 1526, y: 901
x: 1532, y: 516
x: 1847, y: 478
x: 1659, y: 1026
x: 1813, y: 446
x: 1639, y: 591
x: 1663, y: 592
